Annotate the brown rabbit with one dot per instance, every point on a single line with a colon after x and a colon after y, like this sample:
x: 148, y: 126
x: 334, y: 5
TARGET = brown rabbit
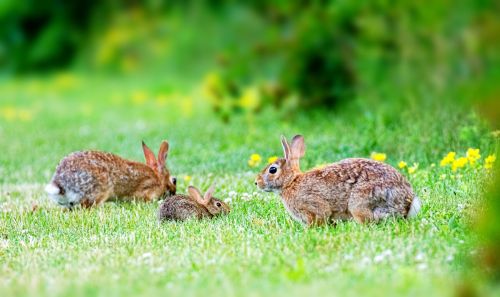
x: 183, y: 207
x: 363, y: 189
x: 91, y: 178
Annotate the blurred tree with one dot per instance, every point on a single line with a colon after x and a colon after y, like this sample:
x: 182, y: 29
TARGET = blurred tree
x: 42, y: 34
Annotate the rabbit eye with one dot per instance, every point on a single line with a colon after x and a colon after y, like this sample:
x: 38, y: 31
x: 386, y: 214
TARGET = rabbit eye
x: 273, y: 169
x: 174, y: 180
x: 218, y: 204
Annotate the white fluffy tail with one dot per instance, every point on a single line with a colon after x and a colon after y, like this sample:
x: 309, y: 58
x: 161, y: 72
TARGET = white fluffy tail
x: 52, y: 189
x: 415, y: 206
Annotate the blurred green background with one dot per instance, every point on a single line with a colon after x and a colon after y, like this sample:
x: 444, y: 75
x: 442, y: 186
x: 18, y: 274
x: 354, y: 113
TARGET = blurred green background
x: 265, y: 53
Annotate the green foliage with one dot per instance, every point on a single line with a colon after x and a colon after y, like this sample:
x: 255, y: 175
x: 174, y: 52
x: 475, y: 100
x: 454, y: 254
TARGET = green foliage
x: 489, y: 229
x: 319, y: 54
x: 295, y: 54
x: 41, y: 34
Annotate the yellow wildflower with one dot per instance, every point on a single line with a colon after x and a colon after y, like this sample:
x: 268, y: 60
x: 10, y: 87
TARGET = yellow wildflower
x: 187, y: 178
x: 473, y: 155
x: 272, y: 159
x: 254, y: 160
x: 381, y: 157
x: 448, y: 159
x: 250, y: 98
x: 459, y: 163
x: 488, y: 162
x: 413, y: 168
x: 402, y: 164
x: 256, y: 157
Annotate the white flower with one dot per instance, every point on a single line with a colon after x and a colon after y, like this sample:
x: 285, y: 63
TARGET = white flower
x: 422, y: 266
x: 419, y: 257
x: 4, y: 243
x: 365, y: 261
x: 378, y: 258
x: 382, y: 256
x: 348, y: 257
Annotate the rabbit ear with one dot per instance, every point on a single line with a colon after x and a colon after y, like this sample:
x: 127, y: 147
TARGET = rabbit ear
x: 286, y: 147
x: 162, y: 153
x: 298, y: 147
x: 208, y: 194
x: 195, y: 194
x: 149, y: 155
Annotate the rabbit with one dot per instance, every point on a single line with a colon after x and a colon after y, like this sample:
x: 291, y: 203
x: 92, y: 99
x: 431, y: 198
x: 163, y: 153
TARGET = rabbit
x: 361, y: 189
x: 92, y: 177
x: 183, y: 207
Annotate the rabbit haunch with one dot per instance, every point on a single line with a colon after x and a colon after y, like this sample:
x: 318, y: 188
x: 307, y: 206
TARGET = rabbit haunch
x: 93, y: 177
x: 363, y: 189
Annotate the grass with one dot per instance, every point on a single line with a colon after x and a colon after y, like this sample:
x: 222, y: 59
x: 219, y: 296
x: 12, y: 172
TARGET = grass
x: 120, y: 248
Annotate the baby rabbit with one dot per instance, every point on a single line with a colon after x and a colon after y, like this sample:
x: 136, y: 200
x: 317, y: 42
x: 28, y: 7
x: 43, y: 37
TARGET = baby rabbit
x: 182, y: 207
x: 362, y: 189
x: 91, y: 178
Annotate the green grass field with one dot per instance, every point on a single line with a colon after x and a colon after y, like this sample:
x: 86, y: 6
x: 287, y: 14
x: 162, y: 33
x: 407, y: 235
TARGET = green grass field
x: 120, y: 248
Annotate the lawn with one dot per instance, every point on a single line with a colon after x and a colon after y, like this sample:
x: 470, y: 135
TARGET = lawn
x: 120, y: 248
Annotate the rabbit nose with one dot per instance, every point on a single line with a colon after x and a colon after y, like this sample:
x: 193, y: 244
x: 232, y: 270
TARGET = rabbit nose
x: 255, y: 182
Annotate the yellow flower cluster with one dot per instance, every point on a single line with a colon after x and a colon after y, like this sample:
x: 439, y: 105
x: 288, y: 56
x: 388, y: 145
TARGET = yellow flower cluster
x: 413, y: 168
x: 381, y: 157
x: 13, y: 114
x: 256, y: 159
x: 472, y: 155
x: 272, y: 159
x: 489, y: 161
x: 250, y: 98
x: 459, y: 163
x: 448, y: 159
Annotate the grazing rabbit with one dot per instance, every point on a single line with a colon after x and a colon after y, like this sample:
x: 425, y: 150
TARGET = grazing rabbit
x: 182, y: 207
x: 363, y: 189
x: 91, y: 178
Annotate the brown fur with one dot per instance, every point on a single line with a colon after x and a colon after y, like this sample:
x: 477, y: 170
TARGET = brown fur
x: 360, y: 189
x: 92, y: 177
x: 183, y: 207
